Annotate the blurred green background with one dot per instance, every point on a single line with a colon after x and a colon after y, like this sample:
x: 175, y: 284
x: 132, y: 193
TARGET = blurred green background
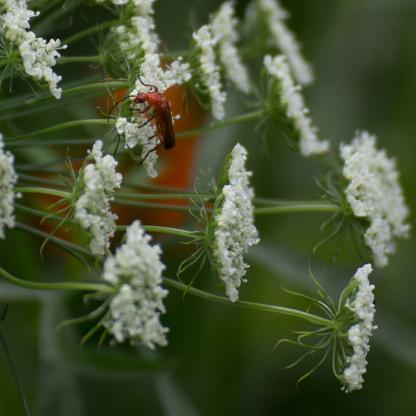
x: 220, y: 359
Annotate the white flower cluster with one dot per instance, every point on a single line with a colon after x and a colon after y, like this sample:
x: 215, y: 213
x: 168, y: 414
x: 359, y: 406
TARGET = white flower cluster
x: 284, y: 39
x: 374, y: 193
x: 38, y: 55
x: 8, y: 180
x: 223, y: 27
x: 135, y: 134
x: 294, y: 105
x: 152, y: 73
x: 136, y: 269
x: 359, y: 334
x: 210, y: 71
x: 138, y: 131
x: 138, y: 38
x: 235, y: 231
x: 92, y: 207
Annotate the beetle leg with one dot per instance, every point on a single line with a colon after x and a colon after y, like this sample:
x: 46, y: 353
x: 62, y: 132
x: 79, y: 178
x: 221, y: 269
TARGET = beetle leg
x: 148, y: 153
x: 147, y: 122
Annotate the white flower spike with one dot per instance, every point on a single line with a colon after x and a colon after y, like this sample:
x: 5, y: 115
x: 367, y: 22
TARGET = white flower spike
x: 38, y: 55
x: 209, y: 70
x: 8, y: 180
x: 294, y: 106
x: 374, y: 193
x: 98, y: 180
x: 359, y: 334
x: 284, y: 39
x: 136, y: 270
x: 223, y: 27
x: 234, y: 230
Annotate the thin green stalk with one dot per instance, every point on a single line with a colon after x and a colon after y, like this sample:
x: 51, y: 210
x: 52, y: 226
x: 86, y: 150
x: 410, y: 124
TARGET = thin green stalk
x: 183, y: 195
x: 89, y: 31
x: 150, y: 228
x: 228, y: 122
x: 153, y: 205
x: 297, y: 207
x: 90, y: 287
x: 66, y: 125
x: 79, y: 59
x: 249, y: 305
x: 45, y: 191
x: 110, y: 122
x: 15, y: 375
x: 30, y: 99
x: 167, y: 230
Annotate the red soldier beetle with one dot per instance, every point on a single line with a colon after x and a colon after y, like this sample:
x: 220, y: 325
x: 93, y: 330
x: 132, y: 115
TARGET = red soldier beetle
x: 162, y: 115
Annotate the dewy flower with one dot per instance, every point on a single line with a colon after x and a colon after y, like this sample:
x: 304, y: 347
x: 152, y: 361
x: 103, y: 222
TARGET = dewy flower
x: 209, y: 71
x: 8, y: 180
x: 38, y: 55
x: 136, y: 270
x: 137, y: 131
x: 234, y: 229
x: 96, y: 184
x: 223, y: 27
x: 374, y: 193
x: 293, y: 104
x: 361, y: 304
x: 284, y: 39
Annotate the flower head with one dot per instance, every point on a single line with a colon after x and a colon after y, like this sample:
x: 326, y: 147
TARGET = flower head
x: 284, y: 40
x: 93, y: 193
x: 234, y: 229
x: 38, y: 55
x: 359, y: 302
x: 8, y: 180
x: 208, y: 72
x: 294, y: 107
x: 223, y: 27
x: 374, y: 193
x: 136, y: 270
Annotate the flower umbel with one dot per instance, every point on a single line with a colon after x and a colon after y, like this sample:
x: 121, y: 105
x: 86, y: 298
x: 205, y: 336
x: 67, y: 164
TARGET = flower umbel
x: 233, y: 226
x: 136, y: 271
x: 359, y: 307
x: 223, y: 27
x: 38, y: 55
x: 208, y: 72
x: 291, y: 100
x: 93, y: 195
x: 374, y: 193
x: 284, y: 40
x: 8, y: 180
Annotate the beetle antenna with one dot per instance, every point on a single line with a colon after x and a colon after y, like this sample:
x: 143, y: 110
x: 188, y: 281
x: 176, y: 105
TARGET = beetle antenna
x: 117, y: 103
x: 153, y: 87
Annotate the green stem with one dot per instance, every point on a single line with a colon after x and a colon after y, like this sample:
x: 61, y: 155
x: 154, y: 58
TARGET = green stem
x: 93, y: 287
x: 169, y: 230
x: 45, y: 191
x: 297, y: 207
x: 78, y: 59
x: 149, y: 228
x: 249, y: 305
x: 183, y: 195
x: 111, y: 122
x: 30, y: 100
x: 254, y: 115
x: 66, y: 125
x: 90, y: 31
x: 153, y: 205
